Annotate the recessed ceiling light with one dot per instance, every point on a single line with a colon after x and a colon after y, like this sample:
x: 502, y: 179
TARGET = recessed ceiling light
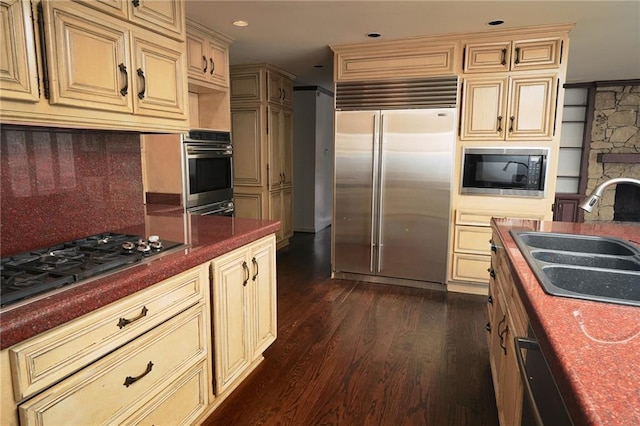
x: 373, y: 35
x: 494, y: 23
x: 240, y: 23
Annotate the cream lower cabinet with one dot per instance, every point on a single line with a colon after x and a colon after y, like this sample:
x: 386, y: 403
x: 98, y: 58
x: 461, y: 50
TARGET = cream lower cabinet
x: 507, y: 320
x: 471, y: 256
x: 244, y: 309
x: 134, y: 360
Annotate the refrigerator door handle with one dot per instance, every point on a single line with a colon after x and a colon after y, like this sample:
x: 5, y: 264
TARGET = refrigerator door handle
x: 380, y: 155
x: 374, y: 180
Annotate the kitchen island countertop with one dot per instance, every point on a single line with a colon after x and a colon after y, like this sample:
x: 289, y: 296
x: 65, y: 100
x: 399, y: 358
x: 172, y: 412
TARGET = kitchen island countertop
x: 592, y: 348
x: 207, y: 237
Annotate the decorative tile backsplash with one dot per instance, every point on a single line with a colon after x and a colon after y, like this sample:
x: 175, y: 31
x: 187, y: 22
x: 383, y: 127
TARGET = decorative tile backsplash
x: 59, y: 184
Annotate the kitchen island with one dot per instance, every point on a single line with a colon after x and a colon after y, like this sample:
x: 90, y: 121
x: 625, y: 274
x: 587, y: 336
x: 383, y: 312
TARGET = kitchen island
x: 198, y: 318
x: 591, y: 347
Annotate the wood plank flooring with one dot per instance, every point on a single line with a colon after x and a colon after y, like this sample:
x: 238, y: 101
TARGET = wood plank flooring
x: 356, y: 353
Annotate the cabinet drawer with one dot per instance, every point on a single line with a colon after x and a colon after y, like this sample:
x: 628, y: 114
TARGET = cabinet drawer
x: 471, y: 267
x: 416, y: 62
x: 472, y: 239
x: 179, y: 404
x: 123, y: 381
x: 47, y: 358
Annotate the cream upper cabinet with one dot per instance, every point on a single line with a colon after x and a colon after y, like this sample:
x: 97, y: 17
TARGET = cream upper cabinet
x: 18, y: 67
x: 98, y: 63
x: 244, y: 309
x: 207, y: 57
x: 498, y: 56
x: 281, y: 147
x: 163, y: 16
x: 159, y: 81
x: 280, y: 89
x: 513, y: 108
x: 98, y: 69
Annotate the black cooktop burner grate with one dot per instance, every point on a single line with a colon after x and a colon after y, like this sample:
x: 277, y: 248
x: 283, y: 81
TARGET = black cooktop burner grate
x: 32, y: 273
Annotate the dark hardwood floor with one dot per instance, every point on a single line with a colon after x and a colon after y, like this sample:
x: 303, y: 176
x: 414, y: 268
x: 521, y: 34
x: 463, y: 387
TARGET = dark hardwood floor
x: 356, y: 353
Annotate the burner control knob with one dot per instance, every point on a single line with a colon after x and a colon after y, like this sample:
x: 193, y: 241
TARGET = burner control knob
x: 154, y: 238
x: 128, y: 245
x: 156, y: 245
x: 144, y: 247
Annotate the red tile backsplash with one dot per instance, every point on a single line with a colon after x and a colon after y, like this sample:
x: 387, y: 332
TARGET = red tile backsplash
x: 59, y: 184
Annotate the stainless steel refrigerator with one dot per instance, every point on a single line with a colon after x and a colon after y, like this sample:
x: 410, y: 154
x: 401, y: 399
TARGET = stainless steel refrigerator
x: 393, y: 172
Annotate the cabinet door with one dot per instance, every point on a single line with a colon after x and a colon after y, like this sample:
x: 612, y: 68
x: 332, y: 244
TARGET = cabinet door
x: 245, y: 87
x: 230, y: 323
x: 18, y: 69
x: 218, y: 64
x: 287, y: 212
x: 531, y: 111
x: 274, y: 87
x: 487, y: 57
x: 286, y: 146
x: 536, y: 54
x: 160, y: 87
x: 88, y: 58
x: 263, y: 260
x: 275, y: 129
x: 275, y: 211
x: 163, y: 16
x: 117, y: 8
x: 246, y: 127
x: 197, y: 60
x: 248, y: 205
x: 483, y: 103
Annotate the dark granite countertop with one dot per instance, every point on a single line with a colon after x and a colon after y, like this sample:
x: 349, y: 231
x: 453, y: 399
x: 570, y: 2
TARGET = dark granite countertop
x: 593, y: 348
x: 207, y: 236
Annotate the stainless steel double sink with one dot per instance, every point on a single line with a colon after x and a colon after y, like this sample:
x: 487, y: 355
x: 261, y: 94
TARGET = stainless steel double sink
x: 587, y: 267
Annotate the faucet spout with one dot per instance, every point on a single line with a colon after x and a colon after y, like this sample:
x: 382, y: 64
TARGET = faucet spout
x: 590, y: 201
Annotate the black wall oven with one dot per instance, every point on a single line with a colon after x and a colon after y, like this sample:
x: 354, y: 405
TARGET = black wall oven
x: 208, y: 172
x: 504, y: 171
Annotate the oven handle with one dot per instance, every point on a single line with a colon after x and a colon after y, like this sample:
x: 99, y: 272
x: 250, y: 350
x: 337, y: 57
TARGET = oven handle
x: 218, y: 211
x: 226, y: 150
x: 525, y: 343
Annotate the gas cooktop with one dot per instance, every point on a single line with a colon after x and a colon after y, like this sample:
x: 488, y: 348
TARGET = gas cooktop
x: 34, y: 273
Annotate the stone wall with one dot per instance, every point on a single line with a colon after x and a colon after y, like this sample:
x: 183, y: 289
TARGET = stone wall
x: 616, y: 129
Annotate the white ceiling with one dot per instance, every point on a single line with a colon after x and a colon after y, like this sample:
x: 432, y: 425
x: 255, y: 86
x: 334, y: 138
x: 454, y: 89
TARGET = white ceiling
x: 296, y: 35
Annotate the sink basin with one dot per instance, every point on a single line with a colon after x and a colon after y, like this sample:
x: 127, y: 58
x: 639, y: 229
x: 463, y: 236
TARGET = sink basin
x: 625, y: 263
x: 596, y: 284
x: 594, y: 268
x: 577, y: 243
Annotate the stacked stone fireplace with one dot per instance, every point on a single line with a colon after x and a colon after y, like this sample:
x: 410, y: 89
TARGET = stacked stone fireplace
x: 615, y: 152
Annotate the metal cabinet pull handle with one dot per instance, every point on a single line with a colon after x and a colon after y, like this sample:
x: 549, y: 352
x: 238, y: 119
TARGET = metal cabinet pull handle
x: 123, y: 70
x: 247, y: 273
x: 206, y: 64
x: 488, y: 327
x: 490, y: 300
x: 492, y: 272
x: 213, y: 66
x: 502, y: 339
x: 504, y: 318
x: 255, y: 266
x: 144, y: 83
x: 504, y: 57
x: 494, y: 246
x: 128, y: 381
x: 512, y: 118
x: 517, y: 61
x: 499, y: 124
x: 123, y: 322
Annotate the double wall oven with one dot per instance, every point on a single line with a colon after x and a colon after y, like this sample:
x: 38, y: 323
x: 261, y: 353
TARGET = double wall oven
x: 208, y: 172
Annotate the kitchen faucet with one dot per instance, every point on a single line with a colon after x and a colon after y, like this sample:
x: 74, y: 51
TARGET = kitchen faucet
x: 588, y: 203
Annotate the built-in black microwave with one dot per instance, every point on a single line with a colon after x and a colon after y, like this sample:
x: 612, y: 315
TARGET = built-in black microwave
x: 504, y: 171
